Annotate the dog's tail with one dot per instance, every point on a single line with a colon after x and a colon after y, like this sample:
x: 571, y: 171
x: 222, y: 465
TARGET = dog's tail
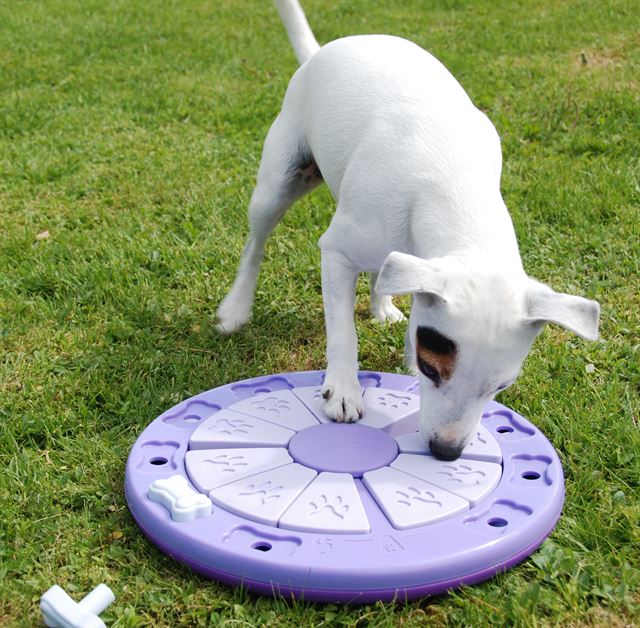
x: 300, y: 35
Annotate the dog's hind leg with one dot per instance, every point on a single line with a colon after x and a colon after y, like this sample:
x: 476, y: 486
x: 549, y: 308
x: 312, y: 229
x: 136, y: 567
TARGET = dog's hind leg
x: 382, y: 308
x: 287, y: 171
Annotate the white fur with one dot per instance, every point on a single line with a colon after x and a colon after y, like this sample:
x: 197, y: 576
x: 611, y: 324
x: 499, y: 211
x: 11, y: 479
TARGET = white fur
x: 303, y: 42
x: 415, y: 170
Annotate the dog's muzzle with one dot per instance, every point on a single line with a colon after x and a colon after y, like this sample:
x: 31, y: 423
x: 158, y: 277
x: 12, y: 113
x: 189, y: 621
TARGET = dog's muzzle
x: 444, y: 451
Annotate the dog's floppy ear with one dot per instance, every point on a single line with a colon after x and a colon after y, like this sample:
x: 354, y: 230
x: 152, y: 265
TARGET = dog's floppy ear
x: 402, y: 273
x: 579, y: 315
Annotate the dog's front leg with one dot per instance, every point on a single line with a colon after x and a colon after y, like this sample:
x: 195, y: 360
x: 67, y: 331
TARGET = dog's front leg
x: 341, y: 388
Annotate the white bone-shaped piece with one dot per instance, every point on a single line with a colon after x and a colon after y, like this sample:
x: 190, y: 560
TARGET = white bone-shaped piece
x: 179, y: 498
x: 60, y: 611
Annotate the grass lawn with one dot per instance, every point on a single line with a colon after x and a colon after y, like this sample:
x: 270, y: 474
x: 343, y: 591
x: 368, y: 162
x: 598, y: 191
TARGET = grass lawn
x: 130, y: 134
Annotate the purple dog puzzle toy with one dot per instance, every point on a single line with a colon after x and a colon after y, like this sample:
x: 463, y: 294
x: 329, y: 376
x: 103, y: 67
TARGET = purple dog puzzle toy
x: 251, y: 484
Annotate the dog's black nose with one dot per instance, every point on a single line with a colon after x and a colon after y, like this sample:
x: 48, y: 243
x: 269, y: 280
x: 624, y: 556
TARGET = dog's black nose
x: 443, y: 451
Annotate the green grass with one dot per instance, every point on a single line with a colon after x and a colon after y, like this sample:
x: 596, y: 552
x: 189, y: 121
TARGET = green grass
x: 131, y: 132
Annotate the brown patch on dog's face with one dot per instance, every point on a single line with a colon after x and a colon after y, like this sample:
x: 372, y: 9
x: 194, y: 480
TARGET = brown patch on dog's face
x: 436, y: 354
x: 442, y: 364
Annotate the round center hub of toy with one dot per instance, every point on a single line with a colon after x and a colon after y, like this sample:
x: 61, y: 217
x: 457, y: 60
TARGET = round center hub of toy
x: 343, y: 448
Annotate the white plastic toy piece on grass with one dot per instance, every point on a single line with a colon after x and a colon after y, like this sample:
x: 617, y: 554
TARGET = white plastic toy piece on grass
x: 60, y: 611
x: 179, y: 498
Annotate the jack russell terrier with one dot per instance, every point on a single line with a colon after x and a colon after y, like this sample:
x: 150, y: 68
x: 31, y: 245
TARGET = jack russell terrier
x: 415, y: 171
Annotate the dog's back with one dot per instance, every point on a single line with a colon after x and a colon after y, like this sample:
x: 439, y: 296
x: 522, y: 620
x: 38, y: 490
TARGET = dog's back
x: 386, y: 121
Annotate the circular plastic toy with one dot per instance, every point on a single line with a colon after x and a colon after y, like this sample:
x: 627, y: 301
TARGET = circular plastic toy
x: 252, y: 484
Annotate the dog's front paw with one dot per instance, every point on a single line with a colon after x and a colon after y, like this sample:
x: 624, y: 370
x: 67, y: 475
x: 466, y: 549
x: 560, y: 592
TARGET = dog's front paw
x: 343, y: 403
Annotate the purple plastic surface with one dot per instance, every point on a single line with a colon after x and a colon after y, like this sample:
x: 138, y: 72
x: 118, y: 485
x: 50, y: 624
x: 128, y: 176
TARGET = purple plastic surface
x: 343, y: 448
x: 384, y: 564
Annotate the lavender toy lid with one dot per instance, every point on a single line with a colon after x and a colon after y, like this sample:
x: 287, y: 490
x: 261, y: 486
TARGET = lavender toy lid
x: 250, y: 483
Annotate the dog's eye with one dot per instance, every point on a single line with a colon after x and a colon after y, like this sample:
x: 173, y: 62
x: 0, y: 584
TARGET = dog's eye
x: 430, y: 372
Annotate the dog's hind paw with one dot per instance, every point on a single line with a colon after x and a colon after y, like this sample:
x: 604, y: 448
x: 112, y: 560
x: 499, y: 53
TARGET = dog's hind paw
x: 384, y: 311
x: 232, y: 316
x: 228, y: 327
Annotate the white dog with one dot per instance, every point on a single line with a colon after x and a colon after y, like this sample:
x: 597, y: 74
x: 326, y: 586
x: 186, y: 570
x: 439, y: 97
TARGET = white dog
x: 415, y: 170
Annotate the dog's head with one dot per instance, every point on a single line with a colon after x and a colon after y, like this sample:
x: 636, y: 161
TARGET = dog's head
x: 471, y: 326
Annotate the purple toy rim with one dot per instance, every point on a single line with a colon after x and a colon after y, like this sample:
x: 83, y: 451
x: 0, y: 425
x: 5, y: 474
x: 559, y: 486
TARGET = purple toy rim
x: 341, y: 595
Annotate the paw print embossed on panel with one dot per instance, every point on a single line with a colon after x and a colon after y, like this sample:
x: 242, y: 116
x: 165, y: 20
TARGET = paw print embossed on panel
x: 280, y: 407
x: 471, y: 479
x: 211, y: 468
x: 228, y: 463
x: 265, y: 491
x: 390, y: 410
x: 408, y: 502
x: 232, y: 429
x: 336, y: 506
x: 230, y: 426
x: 330, y: 503
x: 264, y: 497
x: 412, y: 494
x: 271, y: 404
x: 461, y: 473
x: 393, y: 400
